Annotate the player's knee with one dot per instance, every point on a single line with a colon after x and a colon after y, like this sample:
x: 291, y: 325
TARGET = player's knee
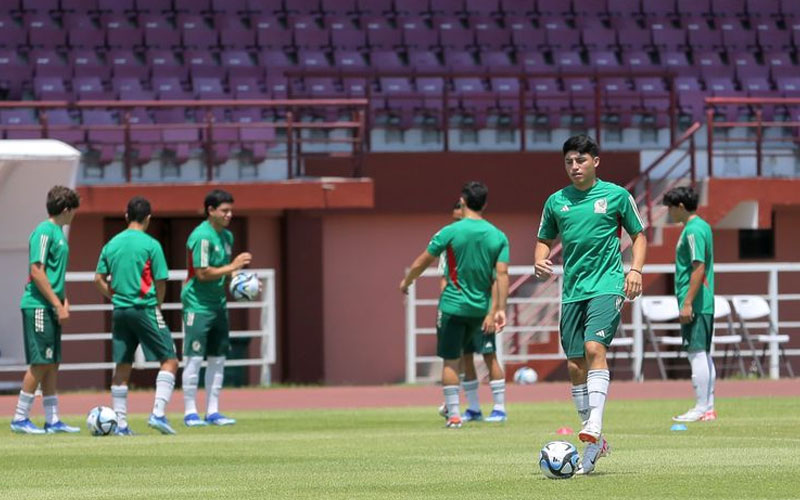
x: 170, y: 365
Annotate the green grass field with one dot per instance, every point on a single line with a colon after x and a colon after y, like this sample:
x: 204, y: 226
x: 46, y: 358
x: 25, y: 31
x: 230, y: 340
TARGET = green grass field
x: 752, y: 452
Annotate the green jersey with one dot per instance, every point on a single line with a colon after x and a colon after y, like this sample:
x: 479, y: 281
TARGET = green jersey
x: 696, y: 244
x: 473, y: 247
x: 206, y: 248
x: 589, y: 223
x: 47, y: 246
x: 135, y: 260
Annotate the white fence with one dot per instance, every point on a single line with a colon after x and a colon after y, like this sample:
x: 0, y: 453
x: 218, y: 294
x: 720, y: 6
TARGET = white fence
x: 421, y: 368
x: 265, y: 332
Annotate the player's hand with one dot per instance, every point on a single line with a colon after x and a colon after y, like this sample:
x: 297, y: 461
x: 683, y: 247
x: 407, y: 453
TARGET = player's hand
x: 242, y: 260
x: 544, y: 269
x: 633, y: 285
x: 687, y: 314
x: 499, y: 321
x: 488, y: 324
x: 404, y: 286
x: 63, y: 312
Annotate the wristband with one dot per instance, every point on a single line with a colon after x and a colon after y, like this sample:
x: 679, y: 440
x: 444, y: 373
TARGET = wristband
x: 635, y: 271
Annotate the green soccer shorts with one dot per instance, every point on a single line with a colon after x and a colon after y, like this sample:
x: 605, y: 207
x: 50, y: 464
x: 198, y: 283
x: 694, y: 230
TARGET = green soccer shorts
x: 207, y: 333
x: 132, y: 326
x: 42, y: 334
x: 594, y: 319
x: 698, y: 334
x: 455, y: 335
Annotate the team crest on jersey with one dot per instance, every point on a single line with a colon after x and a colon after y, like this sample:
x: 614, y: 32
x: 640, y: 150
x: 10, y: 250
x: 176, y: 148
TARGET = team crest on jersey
x: 196, y: 346
x: 600, y: 206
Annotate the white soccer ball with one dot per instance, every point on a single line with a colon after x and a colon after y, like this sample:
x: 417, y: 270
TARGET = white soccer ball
x: 244, y: 287
x: 559, y: 460
x: 101, y: 421
x: 525, y: 376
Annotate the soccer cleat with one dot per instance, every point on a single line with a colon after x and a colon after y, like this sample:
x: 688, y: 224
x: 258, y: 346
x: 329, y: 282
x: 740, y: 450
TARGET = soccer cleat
x: 453, y: 423
x: 219, y: 419
x: 60, y: 427
x: 497, y: 416
x: 194, y: 420
x: 472, y: 416
x: 124, y: 431
x: 592, y: 454
x: 692, y: 415
x: 590, y: 433
x: 443, y: 411
x: 160, y: 424
x: 709, y: 416
x: 25, y: 427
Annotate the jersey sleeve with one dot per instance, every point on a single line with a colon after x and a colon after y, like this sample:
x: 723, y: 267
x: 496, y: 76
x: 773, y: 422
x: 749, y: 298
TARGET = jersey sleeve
x: 39, y: 246
x: 102, y: 263
x: 439, y: 241
x: 697, y: 244
x: 548, y: 229
x: 160, y: 269
x: 201, y: 251
x: 631, y: 220
x: 503, y: 256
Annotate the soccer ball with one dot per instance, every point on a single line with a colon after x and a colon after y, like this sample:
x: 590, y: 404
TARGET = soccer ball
x: 559, y: 460
x: 244, y: 286
x: 525, y: 376
x: 101, y: 421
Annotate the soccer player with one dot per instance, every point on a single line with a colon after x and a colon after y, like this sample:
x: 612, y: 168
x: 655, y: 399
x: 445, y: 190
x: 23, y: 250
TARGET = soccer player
x: 477, y: 255
x: 45, y: 309
x: 588, y: 215
x: 694, y: 289
x: 205, y: 313
x: 470, y: 381
x: 138, y: 270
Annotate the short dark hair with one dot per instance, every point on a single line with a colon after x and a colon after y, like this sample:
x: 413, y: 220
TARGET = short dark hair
x: 682, y: 194
x: 216, y: 198
x: 582, y: 144
x: 138, y: 209
x: 474, y: 194
x: 61, y: 198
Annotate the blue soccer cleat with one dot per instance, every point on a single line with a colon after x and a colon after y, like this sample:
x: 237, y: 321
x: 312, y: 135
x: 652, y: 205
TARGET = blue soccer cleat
x: 194, y: 420
x: 472, y: 416
x: 497, y: 416
x: 60, y: 427
x: 219, y: 419
x: 124, y: 431
x: 160, y: 424
x: 25, y: 427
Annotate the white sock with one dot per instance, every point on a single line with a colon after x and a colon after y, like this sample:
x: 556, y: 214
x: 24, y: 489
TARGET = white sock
x: 50, y: 404
x: 712, y: 379
x: 700, y: 378
x: 580, y: 396
x: 597, y: 385
x: 215, y: 373
x: 191, y: 374
x: 451, y: 400
x: 498, y: 394
x: 471, y: 391
x: 119, y: 401
x: 165, y: 382
x: 24, y: 405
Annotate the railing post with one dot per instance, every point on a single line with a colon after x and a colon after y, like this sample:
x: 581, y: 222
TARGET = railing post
x: 649, y: 204
x: 774, y: 367
x: 411, y: 335
x: 128, y: 152
x: 673, y: 110
x: 710, y: 141
x: 289, y: 143
x: 638, y: 341
x: 45, y: 123
x: 368, y: 120
x: 267, y: 330
x: 759, y: 139
x: 521, y: 120
x: 446, y: 115
x: 209, y: 145
x: 692, y: 159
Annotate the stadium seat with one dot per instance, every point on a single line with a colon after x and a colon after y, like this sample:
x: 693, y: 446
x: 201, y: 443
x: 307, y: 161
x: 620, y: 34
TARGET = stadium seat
x: 234, y: 34
x: 380, y: 34
x: 158, y: 32
x: 452, y: 35
x: 727, y: 338
x: 238, y: 63
x: 770, y: 37
x: 270, y: 34
x: 120, y: 33
x: 493, y: 39
x: 196, y: 33
x: 83, y: 33
x: 47, y: 62
x: 12, y: 35
x: 518, y: 8
x: 44, y: 32
x: 416, y: 34
x: 20, y: 117
x: 749, y: 308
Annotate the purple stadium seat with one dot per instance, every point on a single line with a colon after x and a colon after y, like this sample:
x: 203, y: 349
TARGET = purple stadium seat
x: 60, y: 117
x: 720, y: 86
x: 380, y: 35
x: 694, y: 8
x: 492, y: 38
x: 355, y: 87
x: 423, y: 60
x: 14, y: 72
x: 348, y: 39
x: 43, y: 32
x: 202, y: 63
x: 276, y: 86
x: 604, y: 60
x: 518, y: 8
x: 385, y: 60
x: 107, y: 142
x: 83, y: 33
x: 711, y: 64
x: 86, y: 6
x: 49, y: 63
x: 126, y: 84
x: 452, y: 34
x: 411, y: 7
x: 231, y: 6
x: 164, y: 63
x: 233, y: 34
x: 630, y: 35
x: 209, y: 88
x: 790, y: 9
x: 192, y: 6
x: 780, y: 65
x: 495, y: 59
x: 559, y: 35
x: 153, y: 6
x: 238, y: 63
x: 448, y: 7
x: 624, y: 8
x: 312, y: 59
x: 12, y: 34
x: 788, y: 86
x: 745, y: 65
x: 667, y: 38
x: 196, y: 33
x: 394, y: 87
x: 20, y: 117
x: 795, y: 29
x: 758, y: 87
x: 553, y: 7
x: 528, y: 38
x: 481, y: 7
x: 729, y: 8
x: 169, y: 88
x: 638, y: 60
x: 50, y: 88
x: 460, y: 60
x: 90, y: 88
x: 596, y: 38
x: 40, y: 6
x: 120, y: 33
x: 307, y: 34
x: 660, y: 9
x: 737, y: 38
x: 373, y: 7
x: 338, y: 7
x: 652, y: 92
x: 482, y: 23
x: 416, y: 34
x: 677, y: 63
x: 87, y: 63
x: 771, y: 38
x: 270, y: 34
x: 274, y: 62
x: 591, y: 8
x: 245, y: 87
x: 349, y: 60
x: 302, y: 7
x: 158, y: 32
x: 531, y: 61
x: 763, y: 8
x: 565, y: 60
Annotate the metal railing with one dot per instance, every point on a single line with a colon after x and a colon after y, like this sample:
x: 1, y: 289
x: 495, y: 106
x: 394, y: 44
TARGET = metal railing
x: 265, y: 332
x: 424, y: 307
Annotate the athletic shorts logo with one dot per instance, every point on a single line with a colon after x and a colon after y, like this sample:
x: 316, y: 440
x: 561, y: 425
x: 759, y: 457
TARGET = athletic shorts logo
x: 600, y: 206
x: 601, y: 334
x: 620, y: 300
x: 48, y: 353
x: 38, y: 320
x: 196, y: 346
x: 488, y: 345
x: 160, y: 320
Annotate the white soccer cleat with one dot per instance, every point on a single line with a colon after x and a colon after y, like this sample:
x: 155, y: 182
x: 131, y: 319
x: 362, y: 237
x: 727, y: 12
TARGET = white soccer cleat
x: 590, y: 433
x: 692, y: 415
x: 593, y: 453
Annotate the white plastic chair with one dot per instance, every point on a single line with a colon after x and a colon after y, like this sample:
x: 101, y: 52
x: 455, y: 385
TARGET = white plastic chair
x: 753, y: 307
x: 660, y: 309
x: 722, y: 309
x: 622, y: 341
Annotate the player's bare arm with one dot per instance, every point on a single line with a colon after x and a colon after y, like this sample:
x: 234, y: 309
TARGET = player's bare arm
x: 502, y: 296
x: 419, y: 266
x: 488, y: 321
x: 695, y: 282
x: 101, y: 283
x: 161, y: 291
x: 633, y: 280
x: 543, y: 265
x: 39, y: 278
x: 214, y: 273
